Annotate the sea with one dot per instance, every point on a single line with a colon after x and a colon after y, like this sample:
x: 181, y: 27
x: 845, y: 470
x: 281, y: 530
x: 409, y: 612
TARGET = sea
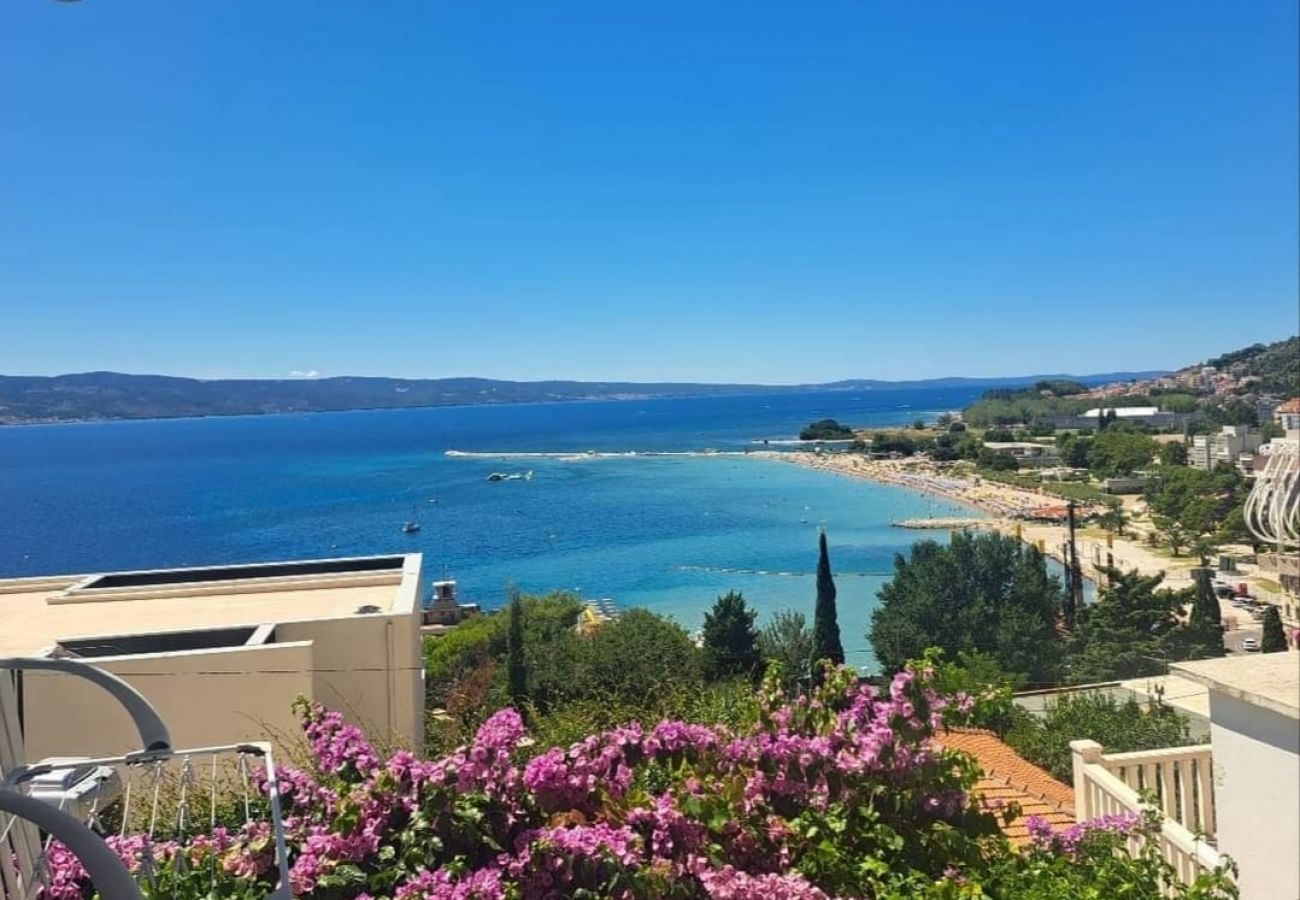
x: 669, y: 533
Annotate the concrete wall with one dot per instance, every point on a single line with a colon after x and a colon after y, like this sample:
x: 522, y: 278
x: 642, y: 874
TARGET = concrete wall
x: 205, y: 697
x: 1257, y: 781
x: 370, y: 669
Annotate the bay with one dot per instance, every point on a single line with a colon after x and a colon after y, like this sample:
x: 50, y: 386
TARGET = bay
x: 668, y: 533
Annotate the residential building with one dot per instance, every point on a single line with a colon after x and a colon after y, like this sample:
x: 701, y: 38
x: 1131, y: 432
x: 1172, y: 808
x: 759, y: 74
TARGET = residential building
x: 1236, y: 795
x: 1008, y: 782
x: 1255, y: 736
x: 1026, y: 452
x: 1126, y: 484
x: 1288, y: 415
x: 1142, y: 415
x: 1234, y: 445
x: 221, y: 652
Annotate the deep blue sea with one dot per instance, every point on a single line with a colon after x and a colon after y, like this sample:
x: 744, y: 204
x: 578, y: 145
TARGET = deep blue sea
x: 667, y: 533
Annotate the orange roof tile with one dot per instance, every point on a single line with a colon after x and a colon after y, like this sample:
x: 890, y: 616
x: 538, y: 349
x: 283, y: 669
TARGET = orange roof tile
x: 1290, y: 406
x: 1009, y: 778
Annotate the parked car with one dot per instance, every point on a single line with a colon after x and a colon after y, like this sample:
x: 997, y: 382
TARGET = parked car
x: 1250, y: 644
x: 1224, y: 591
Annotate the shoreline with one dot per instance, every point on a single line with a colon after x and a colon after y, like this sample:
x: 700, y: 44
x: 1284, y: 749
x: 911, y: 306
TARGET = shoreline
x: 1008, y: 508
x: 1004, y: 505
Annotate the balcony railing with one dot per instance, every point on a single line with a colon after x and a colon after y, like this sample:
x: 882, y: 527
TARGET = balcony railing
x: 1179, y: 781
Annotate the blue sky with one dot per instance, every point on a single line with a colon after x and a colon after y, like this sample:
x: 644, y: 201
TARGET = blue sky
x: 673, y: 190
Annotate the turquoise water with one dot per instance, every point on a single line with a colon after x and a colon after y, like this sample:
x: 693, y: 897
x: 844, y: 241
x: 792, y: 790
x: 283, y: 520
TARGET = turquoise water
x: 669, y: 533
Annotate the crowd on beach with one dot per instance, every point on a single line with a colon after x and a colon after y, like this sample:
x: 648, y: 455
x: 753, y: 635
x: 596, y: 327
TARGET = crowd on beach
x: 998, y: 500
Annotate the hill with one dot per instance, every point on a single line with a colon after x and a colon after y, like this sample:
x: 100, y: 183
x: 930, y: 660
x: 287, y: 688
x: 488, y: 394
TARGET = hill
x: 111, y: 395
x: 1276, y: 365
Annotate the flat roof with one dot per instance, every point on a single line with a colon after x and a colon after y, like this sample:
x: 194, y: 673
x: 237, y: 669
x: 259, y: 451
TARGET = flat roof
x: 1268, y: 680
x: 37, y: 613
x: 1123, y: 412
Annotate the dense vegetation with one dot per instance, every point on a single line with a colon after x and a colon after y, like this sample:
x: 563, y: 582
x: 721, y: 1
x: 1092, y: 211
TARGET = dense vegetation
x: 1121, y: 726
x: 825, y: 430
x: 1277, y: 365
x: 838, y: 794
x: 983, y: 592
x: 989, y: 594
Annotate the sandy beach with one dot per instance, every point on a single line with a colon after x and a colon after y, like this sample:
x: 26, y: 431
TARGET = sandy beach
x: 1008, y: 506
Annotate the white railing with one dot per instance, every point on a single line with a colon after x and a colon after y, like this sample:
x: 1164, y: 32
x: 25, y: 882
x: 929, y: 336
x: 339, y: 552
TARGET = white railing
x: 1178, y: 779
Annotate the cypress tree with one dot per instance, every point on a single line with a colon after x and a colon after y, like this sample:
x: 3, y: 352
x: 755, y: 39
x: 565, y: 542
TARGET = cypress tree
x: 1274, y: 639
x: 1205, y: 623
x: 826, y: 627
x: 516, y: 673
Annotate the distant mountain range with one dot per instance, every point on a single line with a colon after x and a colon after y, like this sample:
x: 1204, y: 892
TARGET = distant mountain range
x: 111, y: 395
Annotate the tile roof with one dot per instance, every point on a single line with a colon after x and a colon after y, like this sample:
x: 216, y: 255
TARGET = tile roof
x: 1290, y: 406
x: 1009, y: 778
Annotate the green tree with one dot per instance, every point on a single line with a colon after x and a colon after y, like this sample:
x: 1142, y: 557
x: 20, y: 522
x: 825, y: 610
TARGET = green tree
x: 1173, y: 454
x: 1173, y: 532
x: 516, y: 669
x: 826, y: 626
x: 730, y: 640
x: 1114, y: 519
x: 825, y: 430
x: 1274, y: 638
x: 1119, y: 452
x: 1126, y: 632
x: 985, y: 592
x: 1076, y: 452
x: 1200, y: 502
x: 1202, y: 636
x: 786, y: 639
x: 1119, y: 726
x: 636, y: 656
x: 996, y: 461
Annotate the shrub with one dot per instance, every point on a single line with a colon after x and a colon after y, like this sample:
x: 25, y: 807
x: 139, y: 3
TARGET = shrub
x: 839, y: 794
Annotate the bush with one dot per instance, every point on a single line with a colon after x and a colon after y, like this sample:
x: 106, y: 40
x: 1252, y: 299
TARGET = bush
x: 841, y: 794
x: 1119, y: 726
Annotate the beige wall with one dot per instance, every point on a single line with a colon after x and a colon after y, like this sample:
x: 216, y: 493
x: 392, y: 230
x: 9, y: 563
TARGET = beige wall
x: 204, y: 697
x: 370, y: 669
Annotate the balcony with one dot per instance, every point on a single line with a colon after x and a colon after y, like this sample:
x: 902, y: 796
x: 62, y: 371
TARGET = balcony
x: 1176, y: 782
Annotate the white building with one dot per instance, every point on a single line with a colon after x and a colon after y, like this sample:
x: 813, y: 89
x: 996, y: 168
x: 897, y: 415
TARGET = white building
x: 221, y: 652
x: 1026, y: 451
x: 1288, y: 415
x: 1234, y: 445
x: 1255, y: 736
x: 1238, y: 795
x: 1143, y: 415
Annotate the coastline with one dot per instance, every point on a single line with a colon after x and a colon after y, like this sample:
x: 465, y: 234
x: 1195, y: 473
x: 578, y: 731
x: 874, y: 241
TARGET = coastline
x: 1005, y: 505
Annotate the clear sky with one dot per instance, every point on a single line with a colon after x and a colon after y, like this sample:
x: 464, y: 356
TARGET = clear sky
x: 738, y: 191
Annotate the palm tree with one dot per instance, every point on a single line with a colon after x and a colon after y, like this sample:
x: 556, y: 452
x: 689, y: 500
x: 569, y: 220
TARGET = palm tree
x: 1114, y: 520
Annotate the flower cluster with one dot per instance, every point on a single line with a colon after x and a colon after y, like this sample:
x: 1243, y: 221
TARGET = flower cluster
x: 1068, y: 841
x: 788, y: 809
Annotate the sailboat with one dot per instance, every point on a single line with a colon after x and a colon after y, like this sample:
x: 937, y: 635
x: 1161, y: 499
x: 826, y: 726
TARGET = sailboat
x: 412, y: 525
